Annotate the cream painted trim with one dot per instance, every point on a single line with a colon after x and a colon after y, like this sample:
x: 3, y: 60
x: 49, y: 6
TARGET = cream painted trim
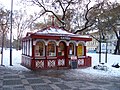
x: 67, y: 43
x: 81, y: 42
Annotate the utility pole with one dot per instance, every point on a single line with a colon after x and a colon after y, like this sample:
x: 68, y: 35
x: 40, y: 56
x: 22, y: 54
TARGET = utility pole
x: 106, y: 52
x: 99, y: 40
x: 11, y: 33
x: 100, y: 48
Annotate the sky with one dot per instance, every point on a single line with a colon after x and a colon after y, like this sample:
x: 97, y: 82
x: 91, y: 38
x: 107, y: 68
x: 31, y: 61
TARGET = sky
x: 17, y: 6
x: 7, y: 3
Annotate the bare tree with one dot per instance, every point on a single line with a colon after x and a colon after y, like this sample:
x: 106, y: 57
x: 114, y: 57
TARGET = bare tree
x: 107, y: 21
x: 85, y: 19
x: 56, y: 8
x: 113, y: 20
x: 4, y: 18
x: 21, y: 23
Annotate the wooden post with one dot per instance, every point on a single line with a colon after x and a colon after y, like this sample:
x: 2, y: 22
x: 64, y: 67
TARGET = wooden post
x: 33, y: 66
x: 67, y: 60
x: 76, y: 51
x: 85, y: 51
x: 57, y: 55
x: 45, y: 62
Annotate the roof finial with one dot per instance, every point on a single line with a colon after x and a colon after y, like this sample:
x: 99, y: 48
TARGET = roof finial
x: 52, y: 20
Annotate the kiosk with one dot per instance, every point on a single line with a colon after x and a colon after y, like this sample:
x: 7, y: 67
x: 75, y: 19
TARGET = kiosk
x: 52, y: 48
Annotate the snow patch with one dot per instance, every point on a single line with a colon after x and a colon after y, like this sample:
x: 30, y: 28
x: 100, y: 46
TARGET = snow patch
x: 112, y: 59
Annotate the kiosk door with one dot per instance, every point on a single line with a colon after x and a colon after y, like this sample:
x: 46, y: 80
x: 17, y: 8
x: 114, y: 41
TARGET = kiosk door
x: 62, y: 54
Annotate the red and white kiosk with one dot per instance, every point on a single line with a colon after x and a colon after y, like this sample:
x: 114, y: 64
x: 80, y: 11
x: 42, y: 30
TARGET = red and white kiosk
x: 54, y: 48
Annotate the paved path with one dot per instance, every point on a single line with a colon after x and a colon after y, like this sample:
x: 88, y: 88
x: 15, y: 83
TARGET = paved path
x: 54, y: 80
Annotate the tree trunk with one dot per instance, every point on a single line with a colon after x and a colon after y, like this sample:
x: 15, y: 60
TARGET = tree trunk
x: 117, y: 49
x: 119, y: 46
x: 18, y: 44
x: 2, y: 49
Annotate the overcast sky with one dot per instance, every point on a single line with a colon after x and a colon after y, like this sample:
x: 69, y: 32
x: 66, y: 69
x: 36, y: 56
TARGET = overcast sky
x: 7, y: 3
x: 18, y: 6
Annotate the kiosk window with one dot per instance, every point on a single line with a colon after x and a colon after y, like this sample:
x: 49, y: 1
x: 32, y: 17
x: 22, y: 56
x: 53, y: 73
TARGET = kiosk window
x: 51, y: 49
x: 80, y: 50
x: 40, y: 49
x: 71, y: 49
x: 61, y: 49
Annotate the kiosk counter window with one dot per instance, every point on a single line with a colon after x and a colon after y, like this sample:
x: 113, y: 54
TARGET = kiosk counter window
x: 71, y: 49
x: 80, y: 50
x: 23, y: 47
x: 40, y: 49
x: 61, y: 49
x: 51, y: 49
x: 30, y: 48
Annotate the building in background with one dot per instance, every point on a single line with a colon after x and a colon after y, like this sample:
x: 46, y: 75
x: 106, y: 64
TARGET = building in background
x: 93, y: 46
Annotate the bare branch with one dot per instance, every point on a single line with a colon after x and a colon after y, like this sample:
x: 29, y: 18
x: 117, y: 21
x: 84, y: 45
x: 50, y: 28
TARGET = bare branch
x: 87, y: 20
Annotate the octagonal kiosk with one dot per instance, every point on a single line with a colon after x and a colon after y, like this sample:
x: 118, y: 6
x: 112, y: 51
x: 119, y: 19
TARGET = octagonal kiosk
x: 52, y: 48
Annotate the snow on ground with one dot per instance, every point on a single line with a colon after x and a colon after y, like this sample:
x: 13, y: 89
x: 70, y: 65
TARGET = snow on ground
x: 16, y: 59
x: 111, y: 59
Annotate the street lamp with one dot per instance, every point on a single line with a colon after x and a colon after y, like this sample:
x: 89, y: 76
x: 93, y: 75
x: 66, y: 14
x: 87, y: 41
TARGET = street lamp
x: 11, y: 33
x: 98, y: 20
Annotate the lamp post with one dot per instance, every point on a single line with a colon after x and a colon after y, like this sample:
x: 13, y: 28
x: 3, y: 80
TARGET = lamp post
x: 11, y: 33
x: 106, y: 52
x: 99, y: 40
x: 100, y: 48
